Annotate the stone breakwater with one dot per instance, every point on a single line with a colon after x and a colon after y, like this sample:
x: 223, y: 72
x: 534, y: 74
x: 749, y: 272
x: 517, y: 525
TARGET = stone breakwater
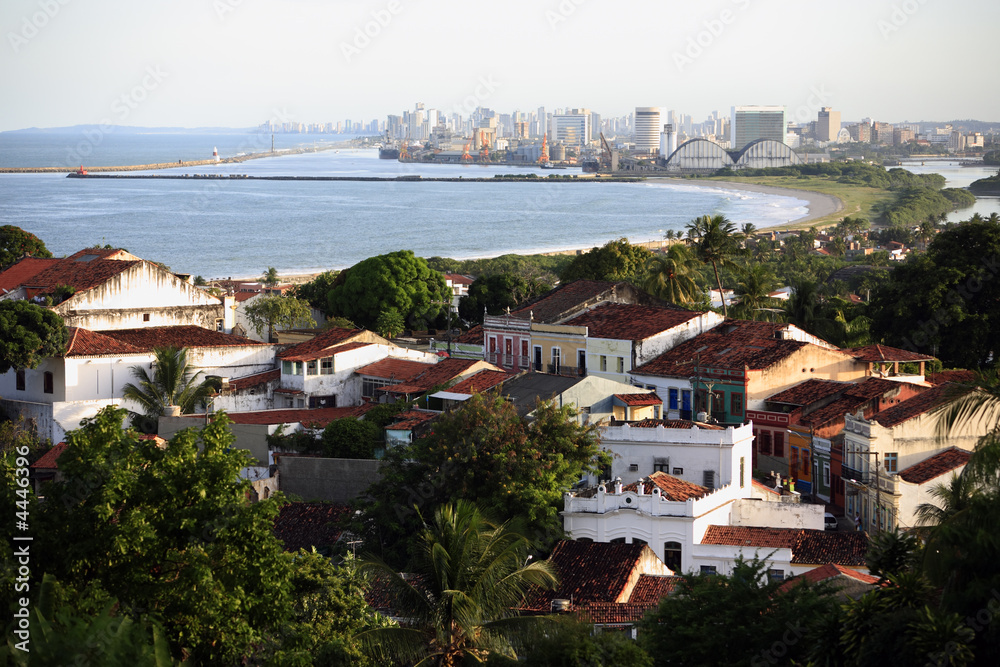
x: 165, y: 165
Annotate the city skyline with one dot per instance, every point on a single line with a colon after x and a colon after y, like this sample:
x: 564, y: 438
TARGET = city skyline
x: 237, y: 63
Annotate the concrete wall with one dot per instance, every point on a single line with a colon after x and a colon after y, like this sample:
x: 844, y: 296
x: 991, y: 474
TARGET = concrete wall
x: 804, y: 364
x: 752, y: 512
x: 252, y: 437
x: 332, y: 480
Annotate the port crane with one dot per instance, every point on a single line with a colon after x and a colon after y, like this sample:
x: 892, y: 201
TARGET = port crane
x: 466, y: 158
x: 484, y: 148
x: 544, y: 157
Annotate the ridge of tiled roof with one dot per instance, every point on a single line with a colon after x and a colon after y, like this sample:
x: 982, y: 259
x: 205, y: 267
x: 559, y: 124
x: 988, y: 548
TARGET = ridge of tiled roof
x: 884, y: 353
x: 622, y: 321
x: 825, y: 573
x: 808, y: 392
x: 187, y: 335
x: 673, y: 488
x: 480, y: 382
x: 633, y: 400
x: 439, y: 373
x: 807, y: 545
x: 50, y: 459
x: 311, y: 349
x: 307, y: 525
x: 935, y: 466
x: 957, y: 376
x: 920, y: 404
x: 23, y: 271
x: 87, y: 343
x: 588, y: 572
x: 857, y: 395
x: 552, y: 305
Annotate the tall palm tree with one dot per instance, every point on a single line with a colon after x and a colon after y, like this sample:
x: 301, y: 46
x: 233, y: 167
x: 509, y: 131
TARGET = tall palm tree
x: 715, y: 243
x: 459, y: 603
x: 748, y: 230
x: 270, y: 277
x: 668, y: 275
x: 172, y: 383
x: 754, y: 290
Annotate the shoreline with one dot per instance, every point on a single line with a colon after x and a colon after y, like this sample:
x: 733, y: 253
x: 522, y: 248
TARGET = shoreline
x: 819, y: 205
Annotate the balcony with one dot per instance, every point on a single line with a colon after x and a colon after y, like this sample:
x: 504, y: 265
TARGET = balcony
x: 565, y: 371
x: 514, y: 361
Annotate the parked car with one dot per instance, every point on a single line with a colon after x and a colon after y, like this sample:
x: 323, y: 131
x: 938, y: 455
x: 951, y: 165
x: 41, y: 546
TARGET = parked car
x: 830, y: 521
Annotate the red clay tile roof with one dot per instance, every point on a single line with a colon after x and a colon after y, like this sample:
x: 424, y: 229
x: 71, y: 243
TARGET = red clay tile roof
x: 458, y: 279
x: 808, y: 392
x: 87, y: 343
x: 920, y: 404
x: 103, y: 253
x: 440, y: 373
x: 411, y: 419
x: 588, y: 572
x: 826, y: 572
x: 637, y: 400
x: 734, y: 344
x: 613, y: 613
x: 651, y: 588
x: 672, y: 488
x: 22, y: 272
x: 307, y: 525
x: 858, y: 395
x: 957, y: 376
x: 471, y: 337
x: 50, y: 459
x: 564, y: 299
x: 621, y: 321
x: 82, y: 275
x: 394, y: 369
x: 317, y: 346
x: 807, y: 546
x: 255, y: 380
x: 878, y: 353
x: 481, y: 381
x: 317, y: 417
x: 180, y: 336
x: 244, y: 296
x: 935, y: 466
x: 766, y: 488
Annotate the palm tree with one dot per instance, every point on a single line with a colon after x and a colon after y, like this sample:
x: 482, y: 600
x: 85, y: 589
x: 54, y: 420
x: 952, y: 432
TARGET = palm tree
x: 748, y: 230
x: 926, y: 232
x: 668, y: 275
x: 172, y: 383
x: 270, y: 277
x: 993, y: 217
x: 715, y: 243
x: 459, y: 603
x: 754, y: 291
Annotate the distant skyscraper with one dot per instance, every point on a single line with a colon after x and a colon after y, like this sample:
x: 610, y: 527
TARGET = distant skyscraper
x: 647, y: 129
x: 750, y: 123
x: 571, y: 127
x: 827, y: 124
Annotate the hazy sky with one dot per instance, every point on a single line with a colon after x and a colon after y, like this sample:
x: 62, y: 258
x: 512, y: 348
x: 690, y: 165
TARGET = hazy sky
x: 238, y: 63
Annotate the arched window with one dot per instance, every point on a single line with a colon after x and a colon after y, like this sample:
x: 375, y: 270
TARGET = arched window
x: 672, y: 555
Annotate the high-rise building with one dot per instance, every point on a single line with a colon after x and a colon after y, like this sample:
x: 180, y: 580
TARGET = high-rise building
x: 862, y: 132
x: 750, y: 123
x: 647, y: 129
x: 571, y: 127
x: 882, y: 133
x: 827, y: 124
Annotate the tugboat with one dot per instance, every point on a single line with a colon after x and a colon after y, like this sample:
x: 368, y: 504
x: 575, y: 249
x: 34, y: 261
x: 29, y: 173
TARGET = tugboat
x: 79, y: 173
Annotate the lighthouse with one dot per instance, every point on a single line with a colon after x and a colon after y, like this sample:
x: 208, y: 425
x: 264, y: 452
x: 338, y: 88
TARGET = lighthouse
x: 215, y: 153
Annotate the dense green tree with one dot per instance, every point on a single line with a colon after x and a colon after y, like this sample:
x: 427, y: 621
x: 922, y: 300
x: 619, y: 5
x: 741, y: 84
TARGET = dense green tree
x: 316, y: 292
x: 15, y: 243
x: 571, y: 642
x: 670, y: 275
x: 276, y: 311
x: 740, y: 619
x: 614, y: 261
x: 172, y: 383
x: 946, y: 302
x: 397, y: 280
x: 496, y: 293
x: 754, y: 293
x: 389, y: 324
x: 483, y: 452
x: 350, y: 438
x: 715, y: 243
x: 29, y: 334
x: 169, y: 533
x: 460, y: 608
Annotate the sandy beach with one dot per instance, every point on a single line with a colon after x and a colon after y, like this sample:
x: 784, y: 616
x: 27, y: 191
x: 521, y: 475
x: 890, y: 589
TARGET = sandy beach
x: 820, y: 205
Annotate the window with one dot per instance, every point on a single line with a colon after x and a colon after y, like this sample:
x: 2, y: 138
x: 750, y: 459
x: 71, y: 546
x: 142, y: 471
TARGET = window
x: 661, y: 464
x: 686, y: 400
x: 677, y: 471
x: 774, y: 575
x: 672, y: 398
x: 19, y: 379
x: 369, y: 385
x: 636, y: 540
x: 48, y: 384
x: 764, y: 443
x: 581, y: 362
x: 326, y: 366
x: 312, y: 367
x: 633, y: 467
x: 743, y: 469
x: 145, y: 317
x: 291, y: 368
x: 672, y: 555
x: 556, y: 359
x: 826, y: 474
x: 604, y: 363
x: 707, y: 570
x: 621, y: 364
x: 618, y: 540
x: 891, y: 462
x: 220, y: 325
x: 805, y: 463
x: 708, y: 479
x: 736, y: 404
x: 538, y: 358
x: 779, y: 444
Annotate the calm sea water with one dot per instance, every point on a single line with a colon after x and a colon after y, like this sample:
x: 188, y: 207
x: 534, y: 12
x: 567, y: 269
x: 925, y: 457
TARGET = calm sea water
x: 238, y: 228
